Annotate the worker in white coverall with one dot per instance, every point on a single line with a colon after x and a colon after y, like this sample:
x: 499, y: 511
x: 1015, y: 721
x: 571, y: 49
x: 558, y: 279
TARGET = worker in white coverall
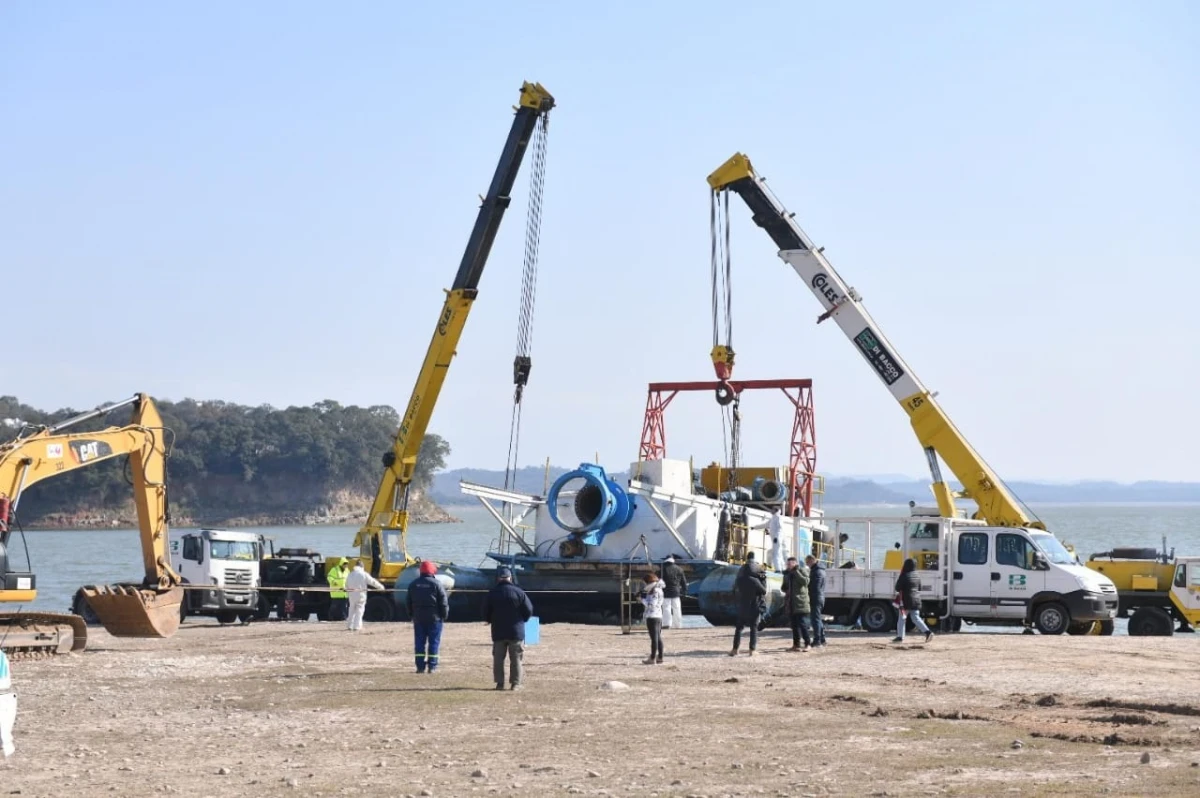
x: 774, y: 527
x: 357, y: 582
x: 8, y: 708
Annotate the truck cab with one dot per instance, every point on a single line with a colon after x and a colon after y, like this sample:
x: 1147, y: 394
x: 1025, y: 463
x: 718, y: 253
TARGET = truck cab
x: 226, y: 564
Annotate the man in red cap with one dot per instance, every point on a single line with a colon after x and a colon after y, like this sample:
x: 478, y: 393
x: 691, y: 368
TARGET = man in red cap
x: 428, y: 607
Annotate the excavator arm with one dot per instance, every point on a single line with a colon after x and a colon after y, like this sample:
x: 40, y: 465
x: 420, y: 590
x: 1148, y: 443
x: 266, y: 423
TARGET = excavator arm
x: 389, y: 512
x: 149, y: 609
x: 935, y: 431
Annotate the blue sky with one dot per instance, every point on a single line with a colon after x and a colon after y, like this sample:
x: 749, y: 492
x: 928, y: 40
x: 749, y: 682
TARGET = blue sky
x: 262, y: 202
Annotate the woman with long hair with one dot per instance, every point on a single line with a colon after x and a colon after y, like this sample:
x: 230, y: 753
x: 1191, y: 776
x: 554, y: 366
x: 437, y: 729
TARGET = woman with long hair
x: 908, y: 600
x: 652, y: 599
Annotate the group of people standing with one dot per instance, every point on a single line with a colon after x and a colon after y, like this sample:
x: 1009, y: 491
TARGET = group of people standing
x: 804, y: 597
x: 506, y: 608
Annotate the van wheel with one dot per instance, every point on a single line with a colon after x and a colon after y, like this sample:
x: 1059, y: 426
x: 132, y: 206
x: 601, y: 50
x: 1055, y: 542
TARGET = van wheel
x: 1082, y: 628
x: 1151, y: 622
x: 1051, y: 618
x: 378, y: 610
x: 878, y: 617
x: 226, y: 617
x: 1106, y: 627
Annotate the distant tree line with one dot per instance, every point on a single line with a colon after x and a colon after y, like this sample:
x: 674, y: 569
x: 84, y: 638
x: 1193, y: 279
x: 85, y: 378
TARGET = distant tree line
x: 226, y: 456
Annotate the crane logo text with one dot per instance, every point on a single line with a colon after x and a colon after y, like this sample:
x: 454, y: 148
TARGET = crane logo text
x: 821, y: 283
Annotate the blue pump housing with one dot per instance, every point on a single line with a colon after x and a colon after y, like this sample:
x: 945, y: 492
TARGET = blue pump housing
x: 602, y: 506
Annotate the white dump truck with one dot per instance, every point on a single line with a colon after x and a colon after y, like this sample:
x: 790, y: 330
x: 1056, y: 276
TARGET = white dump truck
x: 220, y: 571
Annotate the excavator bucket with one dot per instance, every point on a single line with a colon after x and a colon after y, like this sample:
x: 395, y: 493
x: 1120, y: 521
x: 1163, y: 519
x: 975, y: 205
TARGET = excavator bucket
x: 135, y: 611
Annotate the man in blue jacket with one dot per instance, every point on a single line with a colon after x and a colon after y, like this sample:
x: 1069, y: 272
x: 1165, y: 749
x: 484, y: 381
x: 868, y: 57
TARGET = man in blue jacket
x: 507, y: 608
x: 428, y: 607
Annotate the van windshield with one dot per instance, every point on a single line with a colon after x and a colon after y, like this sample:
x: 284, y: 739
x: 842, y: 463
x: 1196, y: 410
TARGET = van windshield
x: 1055, y: 552
x: 234, y: 550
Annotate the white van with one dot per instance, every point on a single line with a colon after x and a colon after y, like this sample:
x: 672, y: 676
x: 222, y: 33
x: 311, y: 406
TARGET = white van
x: 977, y: 573
x: 227, y: 563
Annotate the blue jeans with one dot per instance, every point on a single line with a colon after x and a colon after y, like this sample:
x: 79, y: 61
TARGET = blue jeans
x: 427, y: 634
x: 818, y: 624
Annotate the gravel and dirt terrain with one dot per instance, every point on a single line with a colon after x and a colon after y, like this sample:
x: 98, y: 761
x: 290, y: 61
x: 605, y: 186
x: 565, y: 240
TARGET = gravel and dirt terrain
x: 310, y: 709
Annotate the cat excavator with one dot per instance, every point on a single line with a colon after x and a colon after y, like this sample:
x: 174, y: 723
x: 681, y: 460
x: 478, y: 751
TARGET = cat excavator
x: 146, y: 609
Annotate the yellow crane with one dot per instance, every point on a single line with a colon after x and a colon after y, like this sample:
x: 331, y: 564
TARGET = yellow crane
x: 147, y: 609
x: 382, y: 541
x: 935, y: 431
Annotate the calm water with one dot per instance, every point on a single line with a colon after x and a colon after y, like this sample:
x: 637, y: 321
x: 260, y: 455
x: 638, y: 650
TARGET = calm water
x: 64, y: 560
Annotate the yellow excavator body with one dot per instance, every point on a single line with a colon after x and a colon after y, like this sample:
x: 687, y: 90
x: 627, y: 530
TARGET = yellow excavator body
x: 146, y: 609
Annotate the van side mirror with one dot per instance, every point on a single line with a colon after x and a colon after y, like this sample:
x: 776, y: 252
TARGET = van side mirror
x: 1039, y: 560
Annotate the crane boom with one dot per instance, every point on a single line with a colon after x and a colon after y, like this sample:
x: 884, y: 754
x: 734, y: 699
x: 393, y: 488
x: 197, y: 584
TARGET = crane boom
x: 390, y: 508
x: 934, y: 429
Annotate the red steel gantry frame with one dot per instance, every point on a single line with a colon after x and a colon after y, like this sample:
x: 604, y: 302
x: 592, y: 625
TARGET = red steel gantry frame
x: 802, y: 464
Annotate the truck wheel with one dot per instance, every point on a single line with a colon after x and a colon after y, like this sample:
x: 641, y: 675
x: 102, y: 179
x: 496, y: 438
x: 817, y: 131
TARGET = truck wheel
x: 878, y: 617
x: 378, y: 610
x: 227, y: 617
x: 1051, y: 618
x: 263, y: 611
x: 1151, y: 622
x: 1106, y: 627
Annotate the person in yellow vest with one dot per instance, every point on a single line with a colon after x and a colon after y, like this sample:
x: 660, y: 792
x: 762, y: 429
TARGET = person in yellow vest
x: 337, y: 590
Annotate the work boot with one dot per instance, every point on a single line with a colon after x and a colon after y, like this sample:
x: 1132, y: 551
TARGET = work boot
x: 750, y: 653
x: 928, y: 636
x: 518, y: 686
x: 648, y: 661
x: 500, y: 685
x: 733, y: 653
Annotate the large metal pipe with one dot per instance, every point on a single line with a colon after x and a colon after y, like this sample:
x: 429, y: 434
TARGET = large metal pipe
x: 601, y: 506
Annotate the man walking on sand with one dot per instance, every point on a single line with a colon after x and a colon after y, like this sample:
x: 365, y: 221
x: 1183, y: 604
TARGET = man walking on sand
x: 750, y: 589
x: 506, y: 608
x: 356, y: 584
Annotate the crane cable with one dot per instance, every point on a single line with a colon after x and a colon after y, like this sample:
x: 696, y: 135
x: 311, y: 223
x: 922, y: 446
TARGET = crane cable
x: 722, y: 323
x: 522, y: 362
x: 722, y: 272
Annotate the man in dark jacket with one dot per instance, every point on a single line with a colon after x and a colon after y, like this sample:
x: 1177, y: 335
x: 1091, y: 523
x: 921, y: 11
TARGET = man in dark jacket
x: 795, y: 590
x: 428, y: 607
x: 507, y: 608
x: 674, y: 589
x: 750, y: 589
x: 816, y: 598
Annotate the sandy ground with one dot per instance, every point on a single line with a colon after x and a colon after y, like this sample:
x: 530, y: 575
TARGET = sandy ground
x: 310, y: 709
